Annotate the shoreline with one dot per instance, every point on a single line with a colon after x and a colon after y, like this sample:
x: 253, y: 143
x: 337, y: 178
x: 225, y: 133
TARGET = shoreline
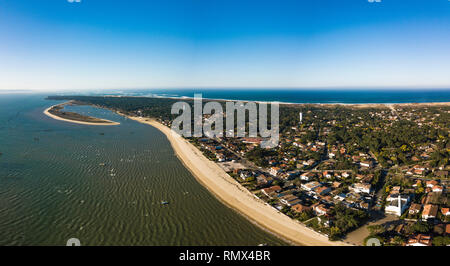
x: 47, y: 113
x: 232, y: 194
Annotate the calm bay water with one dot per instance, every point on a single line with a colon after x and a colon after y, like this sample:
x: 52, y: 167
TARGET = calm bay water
x: 53, y: 185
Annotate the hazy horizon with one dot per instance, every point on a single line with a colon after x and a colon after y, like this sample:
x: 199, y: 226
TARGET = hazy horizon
x: 324, y: 89
x: 66, y: 46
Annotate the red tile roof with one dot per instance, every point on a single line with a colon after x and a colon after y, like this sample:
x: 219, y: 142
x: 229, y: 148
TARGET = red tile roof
x: 272, y: 189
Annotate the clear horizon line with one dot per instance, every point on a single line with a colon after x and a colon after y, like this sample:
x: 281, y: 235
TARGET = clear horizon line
x: 234, y: 88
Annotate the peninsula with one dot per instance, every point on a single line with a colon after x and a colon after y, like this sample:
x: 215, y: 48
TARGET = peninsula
x: 56, y: 112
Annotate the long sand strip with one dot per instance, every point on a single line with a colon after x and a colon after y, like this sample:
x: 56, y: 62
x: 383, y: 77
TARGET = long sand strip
x: 228, y: 190
x: 106, y: 123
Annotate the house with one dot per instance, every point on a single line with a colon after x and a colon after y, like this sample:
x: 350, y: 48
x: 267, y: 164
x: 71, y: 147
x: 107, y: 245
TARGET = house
x: 447, y: 229
x: 320, y: 209
x: 282, y: 193
x: 310, y: 186
x: 418, y: 167
x: 322, y: 190
x: 418, y: 172
x: 419, y: 240
x: 397, y: 205
x: 309, y: 162
x: 395, y: 189
x: 263, y: 180
x: 268, y: 191
x: 415, y: 159
x: 289, y: 200
x: 300, y: 145
x: 244, y: 174
x: 326, y: 198
x: 367, y: 164
x: 361, y: 188
x: 221, y: 157
x: 429, y: 211
x: 445, y: 211
x: 363, y: 205
x: 275, y: 171
x: 437, y: 188
x: 299, y: 208
x: 432, y: 183
x: 307, y: 176
x: 336, y: 184
x: 327, y: 174
x: 345, y: 174
x: 340, y: 197
x: 415, y: 208
x: 290, y: 175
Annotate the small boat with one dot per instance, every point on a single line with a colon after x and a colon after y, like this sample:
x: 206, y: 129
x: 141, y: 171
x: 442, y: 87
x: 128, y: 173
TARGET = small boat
x: 102, y: 164
x: 164, y: 202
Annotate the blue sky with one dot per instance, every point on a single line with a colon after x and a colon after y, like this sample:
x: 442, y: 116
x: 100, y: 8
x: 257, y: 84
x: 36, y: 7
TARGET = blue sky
x: 58, y: 45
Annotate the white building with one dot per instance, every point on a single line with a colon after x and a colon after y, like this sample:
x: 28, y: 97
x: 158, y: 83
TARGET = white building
x: 397, y: 206
x: 311, y: 185
x: 306, y: 176
x: 274, y: 171
x: 361, y: 188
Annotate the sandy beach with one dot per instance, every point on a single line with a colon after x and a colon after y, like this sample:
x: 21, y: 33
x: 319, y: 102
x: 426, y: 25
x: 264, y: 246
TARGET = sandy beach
x: 230, y: 192
x: 110, y: 123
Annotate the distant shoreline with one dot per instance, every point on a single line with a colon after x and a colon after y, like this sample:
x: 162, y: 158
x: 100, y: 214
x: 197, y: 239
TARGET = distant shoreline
x: 105, y: 123
x: 358, y: 105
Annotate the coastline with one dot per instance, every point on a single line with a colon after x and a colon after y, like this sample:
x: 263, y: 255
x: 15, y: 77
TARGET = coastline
x: 324, y: 104
x: 235, y: 196
x: 47, y: 113
x: 230, y: 192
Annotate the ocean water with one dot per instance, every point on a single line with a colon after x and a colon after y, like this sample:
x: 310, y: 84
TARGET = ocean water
x: 53, y: 185
x: 304, y: 95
